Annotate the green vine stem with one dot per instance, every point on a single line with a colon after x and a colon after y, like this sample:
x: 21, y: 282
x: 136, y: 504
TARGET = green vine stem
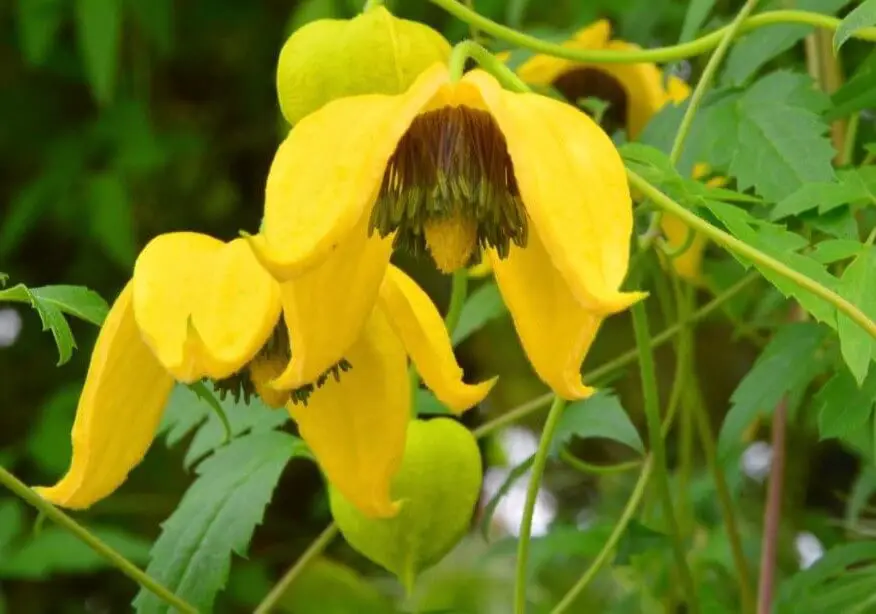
x: 538, y: 465
x: 627, y: 358
x: 731, y: 243
x: 124, y: 565
x: 617, y: 532
x: 659, y: 54
x: 458, y: 294
x: 486, y: 60
x: 584, y: 467
x: 314, y: 550
x: 655, y: 439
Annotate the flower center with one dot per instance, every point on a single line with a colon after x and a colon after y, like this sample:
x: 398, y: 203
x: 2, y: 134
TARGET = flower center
x: 450, y: 187
x: 594, y: 83
x: 269, y: 364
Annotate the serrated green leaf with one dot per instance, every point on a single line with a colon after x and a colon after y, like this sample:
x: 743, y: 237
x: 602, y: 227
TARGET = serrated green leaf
x: 862, y: 16
x: 601, y: 415
x: 835, y: 250
x: 217, y: 517
x: 111, y: 218
x: 56, y: 550
x: 99, y: 27
x: 510, y: 479
x: 76, y: 301
x: 780, y: 244
x: 756, y: 48
x: 484, y: 305
x: 38, y: 24
x: 858, y: 285
x: 856, y: 94
x: 824, y: 196
x: 50, y: 315
x: 844, y: 406
x: 185, y: 411
x: 782, y: 144
x: 784, y: 365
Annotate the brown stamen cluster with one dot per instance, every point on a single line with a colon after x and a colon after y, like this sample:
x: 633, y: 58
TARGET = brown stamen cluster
x: 451, y: 163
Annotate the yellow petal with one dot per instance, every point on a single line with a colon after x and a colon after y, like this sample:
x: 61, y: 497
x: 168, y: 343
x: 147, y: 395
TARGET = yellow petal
x: 204, y: 307
x: 262, y: 371
x: 326, y: 174
x: 689, y: 264
x: 418, y: 324
x: 573, y: 185
x: 677, y: 89
x: 555, y: 331
x: 482, y: 269
x: 356, y: 426
x: 326, y: 308
x: 119, y: 410
x: 545, y: 69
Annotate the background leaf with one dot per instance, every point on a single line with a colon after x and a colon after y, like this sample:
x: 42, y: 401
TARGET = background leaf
x: 99, y: 26
x: 484, y: 305
x: 845, y: 406
x: 217, y: 516
x: 861, y: 16
x: 38, y: 24
x: 112, y: 223
x: 601, y: 415
x: 858, y: 285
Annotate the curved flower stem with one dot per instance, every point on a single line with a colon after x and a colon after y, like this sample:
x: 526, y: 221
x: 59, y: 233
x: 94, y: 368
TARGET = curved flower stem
x: 124, y: 565
x: 584, y: 467
x: 486, y: 60
x: 609, y: 546
x: 458, y: 294
x: 655, y: 439
x: 659, y: 54
x: 538, y: 465
x: 627, y: 358
x: 314, y: 550
x: 731, y: 243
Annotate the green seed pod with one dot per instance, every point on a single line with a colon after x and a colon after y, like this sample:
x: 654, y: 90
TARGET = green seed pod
x: 373, y: 53
x: 438, y: 484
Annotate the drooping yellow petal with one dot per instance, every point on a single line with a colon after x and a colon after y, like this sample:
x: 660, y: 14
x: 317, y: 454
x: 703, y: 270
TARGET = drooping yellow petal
x: 262, y: 372
x: 545, y: 69
x: 326, y: 174
x: 573, y: 185
x: 555, y: 331
x: 119, y: 410
x: 326, y: 308
x: 418, y: 324
x: 356, y: 426
x: 204, y: 307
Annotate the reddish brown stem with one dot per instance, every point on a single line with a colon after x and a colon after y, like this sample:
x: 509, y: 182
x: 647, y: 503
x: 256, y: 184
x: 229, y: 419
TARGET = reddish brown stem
x: 773, y: 512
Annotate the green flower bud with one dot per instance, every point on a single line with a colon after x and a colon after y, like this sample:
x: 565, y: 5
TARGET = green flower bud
x: 438, y: 484
x: 373, y: 53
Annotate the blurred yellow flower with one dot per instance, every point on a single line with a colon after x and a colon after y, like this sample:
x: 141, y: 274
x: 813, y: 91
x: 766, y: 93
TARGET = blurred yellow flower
x: 197, y: 308
x: 445, y: 168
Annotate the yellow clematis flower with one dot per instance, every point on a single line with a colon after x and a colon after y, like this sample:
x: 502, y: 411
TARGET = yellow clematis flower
x: 444, y: 168
x: 197, y: 307
x: 635, y: 92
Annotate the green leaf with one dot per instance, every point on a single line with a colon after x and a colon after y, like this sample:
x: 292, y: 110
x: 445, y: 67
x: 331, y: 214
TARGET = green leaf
x: 484, y: 305
x: 428, y: 405
x: 11, y: 522
x: 856, y: 94
x: 99, y: 26
x: 787, y: 363
x: 862, y: 16
x: 76, y: 301
x: 844, y: 406
x: 758, y: 47
x: 155, y: 18
x: 216, y: 517
x: 111, y: 218
x: 835, y: 250
x: 858, y: 285
x: 601, y: 415
x: 781, y: 244
x: 185, y: 411
x: 694, y: 18
x: 836, y: 563
x: 510, y: 479
x: 825, y: 196
x: 48, y: 445
x: 56, y: 550
x: 51, y: 317
x: 782, y: 143
x: 38, y: 24
x: 861, y: 492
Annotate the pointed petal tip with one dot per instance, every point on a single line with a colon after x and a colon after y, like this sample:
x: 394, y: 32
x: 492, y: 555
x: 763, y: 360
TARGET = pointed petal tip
x: 467, y: 396
x: 619, y: 301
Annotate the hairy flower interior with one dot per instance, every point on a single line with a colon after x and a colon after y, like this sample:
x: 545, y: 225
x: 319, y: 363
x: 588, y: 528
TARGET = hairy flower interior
x: 593, y: 83
x: 275, y: 351
x: 451, y: 166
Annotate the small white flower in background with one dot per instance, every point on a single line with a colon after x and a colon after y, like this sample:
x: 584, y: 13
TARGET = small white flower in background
x: 809, y: 549
x: 756, y: 460
x: 10, y: 326
x: 518, y: 444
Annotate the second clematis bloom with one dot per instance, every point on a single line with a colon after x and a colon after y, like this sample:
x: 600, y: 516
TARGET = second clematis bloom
x: 447, y: 168
x: 198, y: 307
